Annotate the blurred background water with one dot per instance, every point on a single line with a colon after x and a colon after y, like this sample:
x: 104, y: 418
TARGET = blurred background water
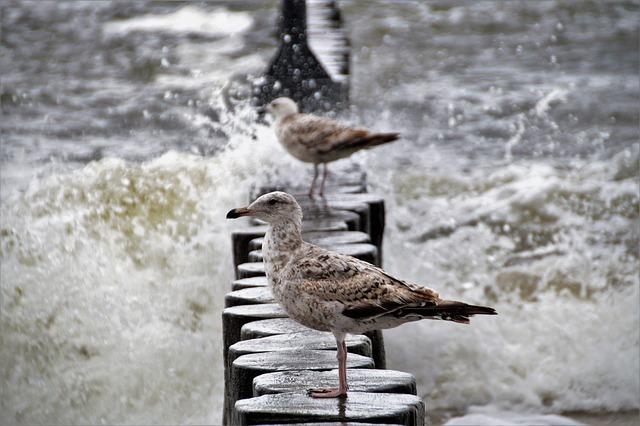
x: 127, y: 134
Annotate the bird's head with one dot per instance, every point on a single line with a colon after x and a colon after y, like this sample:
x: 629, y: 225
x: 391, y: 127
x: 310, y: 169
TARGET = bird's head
x: 281, y: 107
x: 272, y: 207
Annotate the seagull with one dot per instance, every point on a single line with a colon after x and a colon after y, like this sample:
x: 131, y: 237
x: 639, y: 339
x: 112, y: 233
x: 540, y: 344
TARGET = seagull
x: 317, y: 140
x: 328, y: 291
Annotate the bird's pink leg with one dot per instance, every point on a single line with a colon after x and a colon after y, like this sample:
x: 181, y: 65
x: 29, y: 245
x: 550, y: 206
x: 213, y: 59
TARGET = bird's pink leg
x: 342, y: 375
x: 315, y: 177
x: 342, y: 369
x: 325, y: 172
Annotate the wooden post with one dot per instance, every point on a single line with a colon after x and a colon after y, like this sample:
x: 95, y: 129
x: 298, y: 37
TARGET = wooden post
x: 251, y: 282
x: 360, y: 380
x: 295, y: 71
x: 246, y: 367
x: 361, y: 407
x: 232, y: 321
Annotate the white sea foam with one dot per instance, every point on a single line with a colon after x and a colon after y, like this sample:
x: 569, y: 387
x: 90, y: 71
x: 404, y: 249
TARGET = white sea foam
x: 187, y: 20
x: 511, y: 419
x: 555, y: 96
x: 113, y: 278
x: 546, y: 247
x: 112, y: 275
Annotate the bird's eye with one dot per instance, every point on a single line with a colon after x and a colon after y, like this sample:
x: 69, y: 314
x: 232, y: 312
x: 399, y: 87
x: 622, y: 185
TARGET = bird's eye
x: 272, y: 201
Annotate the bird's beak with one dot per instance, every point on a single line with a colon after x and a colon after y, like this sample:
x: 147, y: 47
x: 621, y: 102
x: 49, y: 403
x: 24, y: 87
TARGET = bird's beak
x: 236, y: 213
x: 262, y: 110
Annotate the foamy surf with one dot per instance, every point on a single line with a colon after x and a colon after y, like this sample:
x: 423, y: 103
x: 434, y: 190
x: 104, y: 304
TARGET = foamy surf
x: 187, y: 20
x: 113, y: 279
x: 515, y: 185
x: 511, y: 419
x: 528, y: 239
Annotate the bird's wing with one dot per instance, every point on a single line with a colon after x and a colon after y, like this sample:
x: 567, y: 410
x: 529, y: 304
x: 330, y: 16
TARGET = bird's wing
x: 363, y: 289
x: 320, y: 134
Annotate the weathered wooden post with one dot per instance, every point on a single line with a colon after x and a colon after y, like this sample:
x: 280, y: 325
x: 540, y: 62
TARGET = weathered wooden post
x: 296, y: 72
x: 360, y: 380
x: 358, y: 407
x: 246, y: 367
x: 283, y: 353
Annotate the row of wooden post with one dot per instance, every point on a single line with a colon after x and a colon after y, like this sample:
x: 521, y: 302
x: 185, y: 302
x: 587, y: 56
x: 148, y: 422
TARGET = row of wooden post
x: 271, y: 361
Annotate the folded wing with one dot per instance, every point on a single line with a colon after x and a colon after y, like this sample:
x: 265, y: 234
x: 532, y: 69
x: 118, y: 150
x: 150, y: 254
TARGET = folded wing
x: 368, y: 292
x: 324, y: 135
x: 362, y: 288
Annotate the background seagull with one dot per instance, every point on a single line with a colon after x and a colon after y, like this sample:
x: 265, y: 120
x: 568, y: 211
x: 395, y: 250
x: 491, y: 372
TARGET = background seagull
x: 327, y: 291
x: 318, y: 140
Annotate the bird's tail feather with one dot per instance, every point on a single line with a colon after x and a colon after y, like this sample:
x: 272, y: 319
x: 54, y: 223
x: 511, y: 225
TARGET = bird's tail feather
x: 375, y: 139
x: 449, y: 310
x: 361, y: 139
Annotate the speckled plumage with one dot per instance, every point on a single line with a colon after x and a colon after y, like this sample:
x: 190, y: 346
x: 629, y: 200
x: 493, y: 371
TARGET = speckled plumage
x: 331, y: 292
x: 328, y: 291
x: 319, y: 140
x: 315, y: 139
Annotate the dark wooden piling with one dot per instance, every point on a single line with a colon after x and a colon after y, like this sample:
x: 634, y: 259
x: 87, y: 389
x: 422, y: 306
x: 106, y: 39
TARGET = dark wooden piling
x: 295, y: 71
x: 360, y: 380
x: 332, y: 424
x: 351, y: 218
x: 272, y: 327
x: 376, y: 213
x: 246, y: 367
x: 357, y: 344
x: 251, y: 282
x: 248, y: 296
x: 250, y: 269
x: 295, y: 407
x: 240, y: 239
x: 379, y: 353
x: 234, y: 318
x: 324, y: 207
x: 232, y: 321
x: 236, y: 385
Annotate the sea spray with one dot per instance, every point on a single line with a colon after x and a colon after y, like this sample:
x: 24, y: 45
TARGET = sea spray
x: 110, y: 312
x: 552, y: 248
x: 113, y: 279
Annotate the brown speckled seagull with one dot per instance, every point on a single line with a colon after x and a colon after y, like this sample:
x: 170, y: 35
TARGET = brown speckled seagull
x: 319, y: 140
x: 328, y: 291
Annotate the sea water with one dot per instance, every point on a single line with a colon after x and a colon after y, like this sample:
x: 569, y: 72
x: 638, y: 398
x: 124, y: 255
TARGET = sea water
x: 127, y: 135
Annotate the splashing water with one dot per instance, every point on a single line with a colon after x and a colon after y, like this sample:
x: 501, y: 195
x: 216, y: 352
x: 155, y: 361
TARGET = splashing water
x: 113, y: 280
x: 519, y: 191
